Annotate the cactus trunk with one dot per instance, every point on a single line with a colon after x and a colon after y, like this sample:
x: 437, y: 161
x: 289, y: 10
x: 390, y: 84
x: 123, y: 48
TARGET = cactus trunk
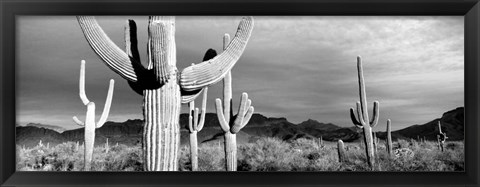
x: 89, y: 135
x: 341, y: 151
x: 194, y: 150
x: 368, y: 139
x: 375, y: 143
x: 162, y: 129
x: 389, y: 138
x: 106, y: 146
x: 231, y: 151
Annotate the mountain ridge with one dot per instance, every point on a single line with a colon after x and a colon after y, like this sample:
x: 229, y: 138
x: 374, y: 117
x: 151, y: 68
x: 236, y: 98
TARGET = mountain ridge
x: 130, y: 131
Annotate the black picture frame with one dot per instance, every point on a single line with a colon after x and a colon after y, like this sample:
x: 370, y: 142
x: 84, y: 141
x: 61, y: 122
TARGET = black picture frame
x: 9, y: 9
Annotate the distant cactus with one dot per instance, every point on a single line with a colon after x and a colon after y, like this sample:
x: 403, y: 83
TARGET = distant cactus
x: 89, y: 123
x: 76, y: 146
x: 195, y: 125
x: 389, y: 138
x: 320, y: 141
x: 107, y: 148
x: 441, y: 137
x: 161, y: 84
x: 341, y: 151
x: 225, y: 114
x: 363, y: 118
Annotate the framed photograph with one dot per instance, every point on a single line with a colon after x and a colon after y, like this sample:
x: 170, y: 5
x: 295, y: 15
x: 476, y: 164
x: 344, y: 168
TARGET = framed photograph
x: 211, y: 93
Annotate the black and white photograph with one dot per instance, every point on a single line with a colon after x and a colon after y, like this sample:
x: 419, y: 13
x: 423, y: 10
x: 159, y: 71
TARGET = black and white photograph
x: 240, y: 93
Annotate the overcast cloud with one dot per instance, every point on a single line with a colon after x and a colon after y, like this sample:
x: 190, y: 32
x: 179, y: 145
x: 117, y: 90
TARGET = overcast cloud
x: 295, y: 67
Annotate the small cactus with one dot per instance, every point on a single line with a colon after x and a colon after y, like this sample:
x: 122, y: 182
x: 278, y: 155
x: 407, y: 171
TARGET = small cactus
x: 224, y: 114
x: 195, y: 125
x: 106, y: 146
x: 89, y: 123
x: 389, y: 138
x: 341, y: 151
x: 441, y: 137
x: 76, y: 146
x: 363, y: 118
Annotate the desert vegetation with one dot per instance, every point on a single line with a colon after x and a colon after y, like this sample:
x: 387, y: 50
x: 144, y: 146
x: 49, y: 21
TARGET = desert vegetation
x: 265, y: 154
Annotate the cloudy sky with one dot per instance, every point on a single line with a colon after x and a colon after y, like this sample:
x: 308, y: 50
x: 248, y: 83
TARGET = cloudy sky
x: 295, y: 67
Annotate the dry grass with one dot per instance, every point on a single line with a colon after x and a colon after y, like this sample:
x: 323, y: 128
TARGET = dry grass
x: 267, y: 154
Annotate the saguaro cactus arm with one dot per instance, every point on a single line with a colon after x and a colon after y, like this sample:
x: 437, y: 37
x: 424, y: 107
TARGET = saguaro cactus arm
x: 194, y: 124
x: 131, y: 41
x: 188, y: 96
x: 375, y: 116
x: 221, y: 118
x: 108, y: 103
x: 81, y: 84
x: 111, y: 54
x: 354, y: 119
x: 203, y: 111
x: 77, y: 121
x: 212, y: 71
x: 244, y: 114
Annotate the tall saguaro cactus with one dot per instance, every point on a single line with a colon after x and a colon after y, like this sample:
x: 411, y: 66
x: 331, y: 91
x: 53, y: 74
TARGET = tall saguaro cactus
x: 195, y: 125
x: 389, y: 138
x: 89, y: 123
x: 363, y: 118
x: 225, y: 114
x: 162, y: 86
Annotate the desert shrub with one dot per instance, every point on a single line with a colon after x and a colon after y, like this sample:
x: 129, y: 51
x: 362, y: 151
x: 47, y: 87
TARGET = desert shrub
x: 267, y: 154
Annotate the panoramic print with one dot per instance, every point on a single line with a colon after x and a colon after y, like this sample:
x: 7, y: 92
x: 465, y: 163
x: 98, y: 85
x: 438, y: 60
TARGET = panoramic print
x: 240, y: 93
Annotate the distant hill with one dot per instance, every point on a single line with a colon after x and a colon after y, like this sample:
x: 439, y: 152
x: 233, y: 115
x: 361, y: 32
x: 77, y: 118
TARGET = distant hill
x: 51, y: 127
x: 130, y: 131
x: 452, y: 123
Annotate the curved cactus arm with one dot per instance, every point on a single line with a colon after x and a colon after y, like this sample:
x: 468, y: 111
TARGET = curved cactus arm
x: 211, y: 71
x: 188, y: 96
x: 77, y: 121
x: 108, y: 103
x: 237, y: 127
x: 242, y: 109
x: 375, y: 116
x: 111, y: 54
x: 131, y: 41
x: 354, y: 119
x: 82, y: 94
x: 221, y: 118
x: 360, y: 114
x: 191, y: 106
x: 248, y: 115
x: 204, y: 110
